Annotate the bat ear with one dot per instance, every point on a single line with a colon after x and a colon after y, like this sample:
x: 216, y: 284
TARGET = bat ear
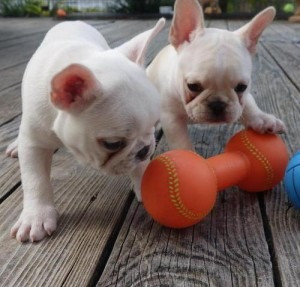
x: 74, y: 88
x: 188, y: 18
x: 135, y: 49
x: 251, y: 32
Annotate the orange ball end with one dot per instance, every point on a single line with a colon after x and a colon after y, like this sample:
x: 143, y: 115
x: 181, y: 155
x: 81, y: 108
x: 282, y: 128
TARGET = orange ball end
x: 267, y: 155
x: 178, y: 188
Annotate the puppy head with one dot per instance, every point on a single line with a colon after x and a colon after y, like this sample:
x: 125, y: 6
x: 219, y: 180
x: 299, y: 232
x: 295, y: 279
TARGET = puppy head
x: 107, y: 108
x: 214, y: 65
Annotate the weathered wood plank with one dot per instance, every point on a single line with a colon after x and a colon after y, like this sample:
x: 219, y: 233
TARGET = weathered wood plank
x: 21, y: 53
x: 10, y: 102
x: 295, y: 27
x: 9, y: 169
x: 12, y: 75
x: 11, y: 29
x: 283, y: 219
x: 228, y: 248
x: 87, y: 218
x: 12, y: 32
x: 280, y: 219
x: 283, y: 44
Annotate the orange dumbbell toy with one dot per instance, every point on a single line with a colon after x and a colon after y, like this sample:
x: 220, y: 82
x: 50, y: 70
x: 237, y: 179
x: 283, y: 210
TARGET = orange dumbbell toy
x: 179, y: 187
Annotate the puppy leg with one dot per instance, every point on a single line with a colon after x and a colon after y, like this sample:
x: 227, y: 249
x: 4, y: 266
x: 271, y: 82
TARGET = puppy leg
x: 253, y: 117
x: 39, y: 216
x: 12, y: 149
x: 176, y: 132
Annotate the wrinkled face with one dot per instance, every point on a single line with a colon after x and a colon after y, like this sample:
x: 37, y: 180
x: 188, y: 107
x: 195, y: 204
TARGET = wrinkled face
x: 216, y: 70
x: 116, y: 132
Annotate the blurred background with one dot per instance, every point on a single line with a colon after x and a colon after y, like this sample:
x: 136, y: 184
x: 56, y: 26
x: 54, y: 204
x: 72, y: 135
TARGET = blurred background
x: 98, y: 8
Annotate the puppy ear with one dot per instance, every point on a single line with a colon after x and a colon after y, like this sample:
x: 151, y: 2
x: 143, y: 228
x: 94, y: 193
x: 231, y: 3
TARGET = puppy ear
x: 188, y: 17
x: 74, y: 88
x: 136, y: 48
x: 251, y: 32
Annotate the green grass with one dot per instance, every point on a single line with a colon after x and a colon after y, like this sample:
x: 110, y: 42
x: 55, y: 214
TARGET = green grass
x: 20, y: 8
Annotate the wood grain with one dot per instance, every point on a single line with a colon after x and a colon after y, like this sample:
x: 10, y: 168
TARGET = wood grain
x: 10, y: 103
x: 283, y: 219
x: 276, y: 90
x: 9, y: 168
x: 284, y: 47
x: 89, y: 205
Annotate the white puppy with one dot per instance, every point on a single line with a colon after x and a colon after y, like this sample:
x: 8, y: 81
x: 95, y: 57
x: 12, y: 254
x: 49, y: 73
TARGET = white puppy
x: 204, y: 76
x: 96, y: 101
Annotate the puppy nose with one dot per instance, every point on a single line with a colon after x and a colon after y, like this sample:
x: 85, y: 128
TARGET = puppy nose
x: 217, y: 107
x: 143, y: 153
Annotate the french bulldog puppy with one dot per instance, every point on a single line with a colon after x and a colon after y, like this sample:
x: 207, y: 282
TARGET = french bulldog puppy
x: 204, y: 76
x: 96, y: 101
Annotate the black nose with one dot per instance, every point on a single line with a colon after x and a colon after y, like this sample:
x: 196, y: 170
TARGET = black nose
x: 143, y: 153
x: 217, y: 107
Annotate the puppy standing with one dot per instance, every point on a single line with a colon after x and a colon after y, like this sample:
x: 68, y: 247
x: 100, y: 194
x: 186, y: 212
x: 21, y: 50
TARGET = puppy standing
x: 204, y: 76
x: 98, y: 102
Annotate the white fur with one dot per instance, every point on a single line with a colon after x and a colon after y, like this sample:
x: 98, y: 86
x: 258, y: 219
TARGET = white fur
x: 117, y: 102
x: 219, y: 60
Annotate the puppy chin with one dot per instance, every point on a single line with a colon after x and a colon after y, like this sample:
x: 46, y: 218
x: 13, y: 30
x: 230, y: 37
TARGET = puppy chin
x: 125, y: 164
x: 201, y: 115
x: 120, y: 167
x: 226, y: 119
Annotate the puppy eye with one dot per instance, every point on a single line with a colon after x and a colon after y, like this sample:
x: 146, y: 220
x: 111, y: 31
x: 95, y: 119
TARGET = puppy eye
x: 240, y: 88
x: 195, y: 87
x: 114, y: 146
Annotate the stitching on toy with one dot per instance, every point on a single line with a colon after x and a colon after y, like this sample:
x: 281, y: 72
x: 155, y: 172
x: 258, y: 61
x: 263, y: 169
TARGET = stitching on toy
x: 260, y: 157
x: 173, y: 188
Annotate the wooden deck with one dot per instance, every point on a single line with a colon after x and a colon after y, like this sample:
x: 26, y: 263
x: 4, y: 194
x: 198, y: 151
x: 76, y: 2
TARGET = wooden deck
x: 106, y: 238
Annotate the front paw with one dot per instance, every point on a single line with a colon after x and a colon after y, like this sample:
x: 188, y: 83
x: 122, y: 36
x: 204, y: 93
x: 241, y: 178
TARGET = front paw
x: 12, y: 149
x: 266, y: 123
x: 35, y: 223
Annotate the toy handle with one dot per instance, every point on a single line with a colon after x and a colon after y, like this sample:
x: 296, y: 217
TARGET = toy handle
x: 230, y: 168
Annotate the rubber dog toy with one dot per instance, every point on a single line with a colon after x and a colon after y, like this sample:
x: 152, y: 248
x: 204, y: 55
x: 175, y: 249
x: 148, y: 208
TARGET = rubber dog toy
x: 179, y: 187
x: 292, y: 180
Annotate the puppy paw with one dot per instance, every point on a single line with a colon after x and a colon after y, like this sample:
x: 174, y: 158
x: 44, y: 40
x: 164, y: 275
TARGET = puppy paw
x: 35, y: 223
x: 12, y: 149
x: 266, y: 123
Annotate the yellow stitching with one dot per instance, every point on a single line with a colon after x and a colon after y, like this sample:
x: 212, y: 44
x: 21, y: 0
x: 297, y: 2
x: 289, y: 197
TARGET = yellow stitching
x: 173, y: 188
x: 260, y: 157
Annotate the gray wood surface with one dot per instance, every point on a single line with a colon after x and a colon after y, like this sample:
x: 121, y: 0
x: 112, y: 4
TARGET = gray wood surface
x: 105, y: 236
x: 282, y: 218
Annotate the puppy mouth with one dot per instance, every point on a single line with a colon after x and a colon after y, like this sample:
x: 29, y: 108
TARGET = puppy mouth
x: 108, y: 159
x: 223, y: 118
x: 210, y: 118
x: 218, y: 120
x: 117, y: 168
x: 114, y: 166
